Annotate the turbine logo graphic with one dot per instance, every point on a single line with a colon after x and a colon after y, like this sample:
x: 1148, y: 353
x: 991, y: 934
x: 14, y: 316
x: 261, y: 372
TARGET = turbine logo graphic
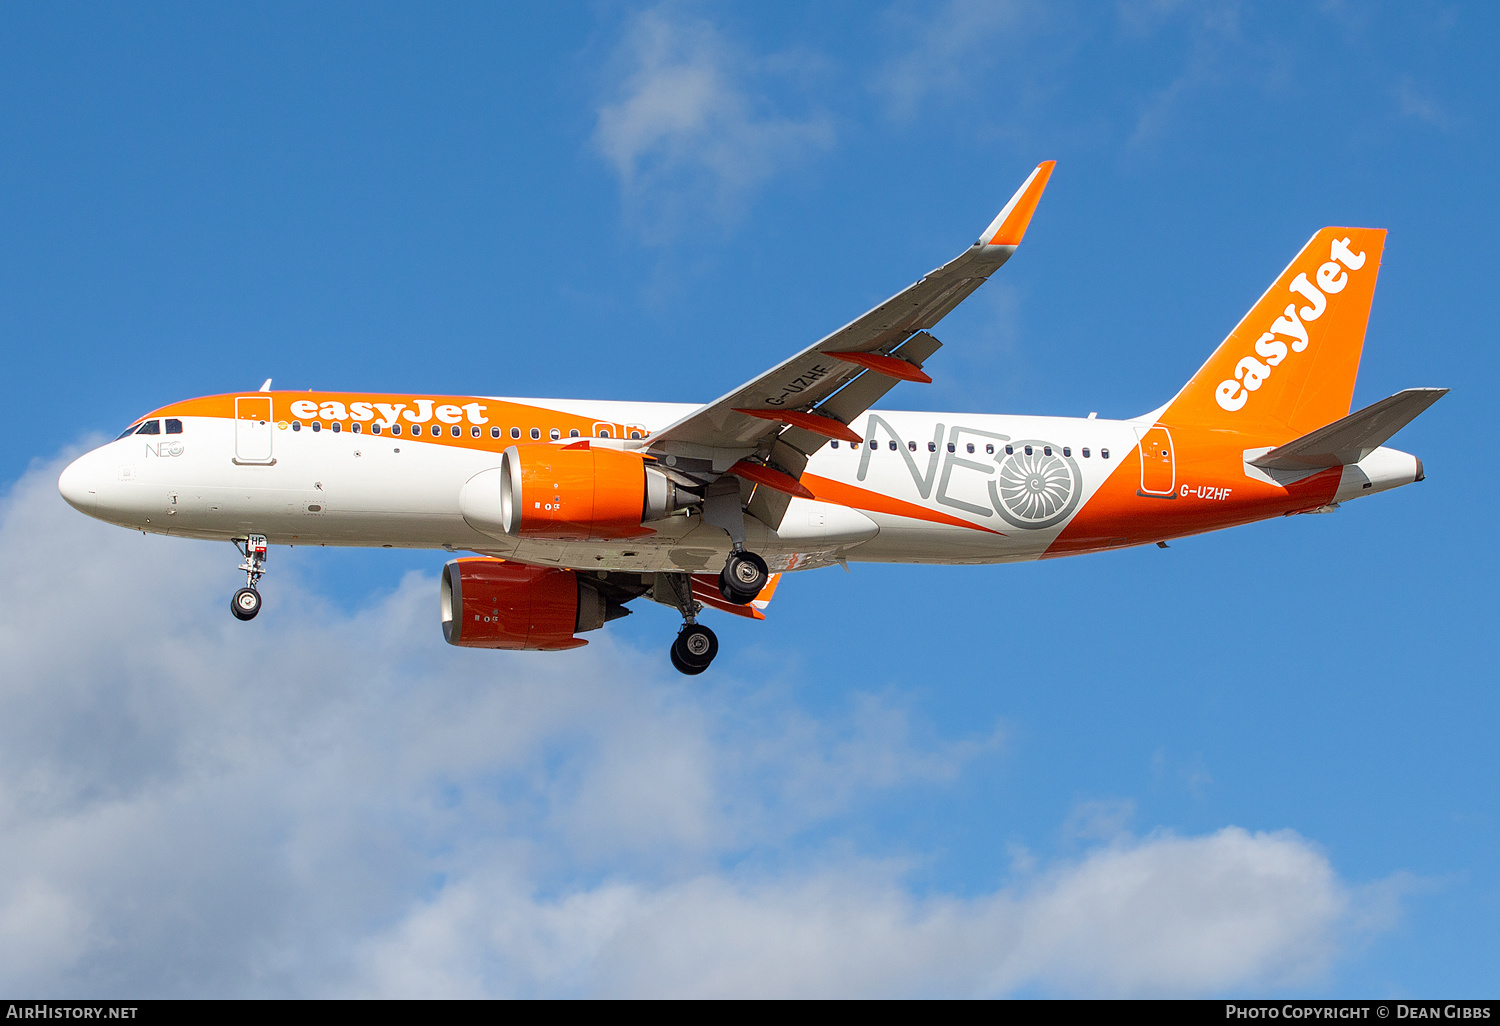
x: 1038, y: 487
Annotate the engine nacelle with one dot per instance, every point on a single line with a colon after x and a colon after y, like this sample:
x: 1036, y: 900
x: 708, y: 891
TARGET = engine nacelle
x: 492, y: 603
x: 572, y: 492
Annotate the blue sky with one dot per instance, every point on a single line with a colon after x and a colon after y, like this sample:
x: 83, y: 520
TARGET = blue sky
x: 1260, y: 761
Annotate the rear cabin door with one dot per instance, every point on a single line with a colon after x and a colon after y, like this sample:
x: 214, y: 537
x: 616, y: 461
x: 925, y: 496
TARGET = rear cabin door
x: 252, y: 429
x: 1158, y: 465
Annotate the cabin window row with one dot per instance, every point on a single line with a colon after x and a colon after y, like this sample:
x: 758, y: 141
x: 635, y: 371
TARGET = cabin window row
x: 989, y: 448
x: 436, y: 430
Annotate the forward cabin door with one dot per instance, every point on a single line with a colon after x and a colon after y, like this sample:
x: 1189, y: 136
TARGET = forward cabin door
x: 1158, y: 465
x: 252, y: 429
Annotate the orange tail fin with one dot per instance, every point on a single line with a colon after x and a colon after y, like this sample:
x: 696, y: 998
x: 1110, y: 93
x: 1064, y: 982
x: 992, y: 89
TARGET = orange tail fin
x: 1290, y: 365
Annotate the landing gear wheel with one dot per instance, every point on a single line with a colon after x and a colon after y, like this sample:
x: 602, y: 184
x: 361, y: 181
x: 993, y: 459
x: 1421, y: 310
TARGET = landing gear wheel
x: 682, y: 667
x: 246, y: 601
x: 694, y: 649
x: 245, y: 604
x: 743, y: 577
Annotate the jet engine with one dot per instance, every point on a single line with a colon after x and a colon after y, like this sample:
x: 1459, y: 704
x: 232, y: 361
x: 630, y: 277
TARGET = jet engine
x: 492, y: 603
x: 573, y: 492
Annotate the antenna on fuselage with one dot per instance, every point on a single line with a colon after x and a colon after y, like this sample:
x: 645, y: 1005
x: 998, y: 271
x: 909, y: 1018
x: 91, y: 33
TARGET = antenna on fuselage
x: 265, y: 387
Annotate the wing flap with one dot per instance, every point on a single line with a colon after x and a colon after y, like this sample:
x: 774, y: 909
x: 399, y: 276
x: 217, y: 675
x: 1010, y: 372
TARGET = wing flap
x: 706, y: 590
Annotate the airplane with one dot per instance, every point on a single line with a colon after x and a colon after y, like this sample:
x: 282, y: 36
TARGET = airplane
x: 573, y: 508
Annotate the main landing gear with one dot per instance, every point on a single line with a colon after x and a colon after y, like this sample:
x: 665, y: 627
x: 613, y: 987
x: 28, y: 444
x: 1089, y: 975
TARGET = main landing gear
x: 696, y: 645
x: 744, y: 573
x: 743, y: 577
x: 694, y: 649
x: 246, y: 601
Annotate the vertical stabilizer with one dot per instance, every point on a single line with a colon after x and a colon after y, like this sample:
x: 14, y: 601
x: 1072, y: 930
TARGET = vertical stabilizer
x: 1290, y: 364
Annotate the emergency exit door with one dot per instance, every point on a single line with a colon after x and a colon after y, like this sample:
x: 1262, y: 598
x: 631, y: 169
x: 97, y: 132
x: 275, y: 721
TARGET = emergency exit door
x: 1158, y: 466
x: 252, y: 429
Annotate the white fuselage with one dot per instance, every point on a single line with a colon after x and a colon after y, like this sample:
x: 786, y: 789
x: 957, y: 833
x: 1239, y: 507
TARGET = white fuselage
x: 927, y: 486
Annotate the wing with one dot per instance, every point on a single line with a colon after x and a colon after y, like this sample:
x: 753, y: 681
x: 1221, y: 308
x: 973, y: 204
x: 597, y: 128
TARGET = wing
x: 788, y: 413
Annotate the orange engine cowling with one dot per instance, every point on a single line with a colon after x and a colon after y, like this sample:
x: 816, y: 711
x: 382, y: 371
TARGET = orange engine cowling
x: 579, y: 492
x: 492, y: 603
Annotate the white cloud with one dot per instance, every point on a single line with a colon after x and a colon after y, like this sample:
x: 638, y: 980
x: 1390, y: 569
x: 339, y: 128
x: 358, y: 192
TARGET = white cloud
x: 1414, y: 102
x: 323, y: 803
x: 690, y: 123
x: 1165, y: 915
x: 945, y: 50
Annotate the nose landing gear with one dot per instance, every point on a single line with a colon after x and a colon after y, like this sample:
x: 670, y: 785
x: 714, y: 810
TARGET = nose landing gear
x: 246, y: 602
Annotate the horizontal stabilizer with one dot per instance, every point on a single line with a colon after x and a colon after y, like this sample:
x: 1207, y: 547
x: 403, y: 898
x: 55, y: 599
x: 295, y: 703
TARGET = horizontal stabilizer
x: 1350, y: 439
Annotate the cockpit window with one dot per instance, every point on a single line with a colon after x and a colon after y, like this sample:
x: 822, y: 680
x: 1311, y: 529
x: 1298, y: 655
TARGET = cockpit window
x: 174, y: 426
x: 151, y: 427
x: 126, y: 433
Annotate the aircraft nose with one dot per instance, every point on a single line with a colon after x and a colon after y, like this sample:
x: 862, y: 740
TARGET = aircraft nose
x: 77, y: 484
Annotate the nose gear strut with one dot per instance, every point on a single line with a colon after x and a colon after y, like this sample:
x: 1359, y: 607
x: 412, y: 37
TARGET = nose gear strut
x: 246, y: 602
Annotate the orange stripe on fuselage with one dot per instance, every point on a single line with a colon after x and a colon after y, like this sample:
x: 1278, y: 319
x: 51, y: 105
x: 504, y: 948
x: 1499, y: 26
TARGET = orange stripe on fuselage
x: 826, y: 490
x: 1211, y: 491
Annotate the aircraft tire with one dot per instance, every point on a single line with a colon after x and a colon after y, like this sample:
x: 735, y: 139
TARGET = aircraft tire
x: 245, y: 604
x: 694, y: 649
x: 743, y: 577
x: 684, y: 668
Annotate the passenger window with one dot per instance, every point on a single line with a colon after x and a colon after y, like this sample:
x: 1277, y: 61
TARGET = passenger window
x: 912, y: 446
x: 932, y: 447
x: 573, y: 433
x: 355, y: 427
x: 952, y: 447
x: 605, y: 434
x: 474, y: 432
x: 297, y: 425
x: 969, y: 447
x: 514, y: 432
x: 1085, y: 452
x: 554, y: 434
x: 456, y: 431
x: 893, y: 445
x: 834, y: 443
x: 989, y: 450
x: 395, y: 429
x: 151, y: 427
x: 1027, y: 450
x: 874, y: 444
x: 635, y: 434
x: 317, y: 426
x: 1010, y: 450
x: 1046, y: 450
x: 336, y: 427
x: 536, y: 433
x: 174, y: 426
x: 374, y: 428
x: 1067, y: 451
x: 1104, y: 454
